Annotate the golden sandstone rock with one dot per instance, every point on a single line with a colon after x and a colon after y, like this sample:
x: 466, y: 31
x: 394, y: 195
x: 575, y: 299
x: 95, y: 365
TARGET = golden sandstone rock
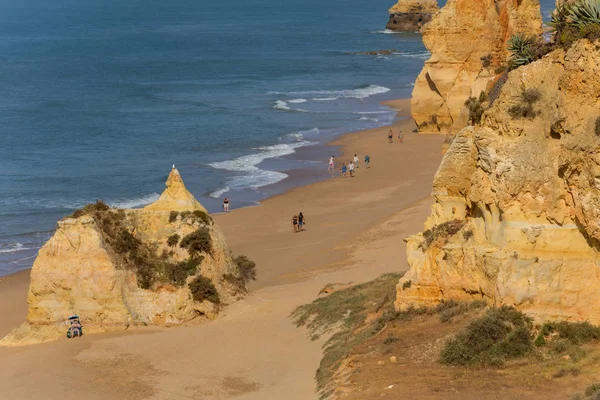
x: 411, y: 15
x: 458, y: 37
x: 77, y: 272
x: 517, y: 213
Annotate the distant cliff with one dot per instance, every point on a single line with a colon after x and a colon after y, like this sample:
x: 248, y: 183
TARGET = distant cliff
x: 467, y: 41
x: 162, y: 265
x: 411, y: 15
x: 517, y: 213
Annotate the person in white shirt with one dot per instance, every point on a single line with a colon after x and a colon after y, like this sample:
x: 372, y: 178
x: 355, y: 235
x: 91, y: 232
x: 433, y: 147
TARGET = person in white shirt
x: 351, y: 169
x: 356, y: 160
x: 331, y: 163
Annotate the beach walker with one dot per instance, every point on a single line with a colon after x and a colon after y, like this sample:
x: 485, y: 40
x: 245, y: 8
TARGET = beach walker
x: 75, y: 327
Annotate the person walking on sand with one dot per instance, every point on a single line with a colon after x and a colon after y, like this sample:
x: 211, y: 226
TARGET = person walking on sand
x: 295, y: 223
x: 367, y: 161
x: 391, y: 137
x: 301, y: 221
x: 331, y: 163
x: 344, y: 169
x: 226, y: 205
x: 400, y: 136
x: 351, y: 169
x: 356, y: 160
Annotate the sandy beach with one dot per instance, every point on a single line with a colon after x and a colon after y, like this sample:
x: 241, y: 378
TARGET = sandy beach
x: 354, y: 233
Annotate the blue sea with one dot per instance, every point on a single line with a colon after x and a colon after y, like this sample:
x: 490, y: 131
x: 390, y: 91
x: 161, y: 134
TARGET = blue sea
x: 100, y: 98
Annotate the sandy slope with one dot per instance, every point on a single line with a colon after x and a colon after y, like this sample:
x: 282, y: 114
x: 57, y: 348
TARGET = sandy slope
x: 354, y: 233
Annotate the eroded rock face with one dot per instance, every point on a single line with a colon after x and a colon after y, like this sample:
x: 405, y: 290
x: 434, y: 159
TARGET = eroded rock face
x: 411, y: 15
x: 525, y: 196
x: 78, y: 272
x: 467, y: 41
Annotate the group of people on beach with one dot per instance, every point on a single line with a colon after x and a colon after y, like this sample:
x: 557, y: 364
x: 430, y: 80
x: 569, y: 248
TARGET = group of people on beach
x: 391, y: 136
x: 298, y: 222
x: 349, y: 168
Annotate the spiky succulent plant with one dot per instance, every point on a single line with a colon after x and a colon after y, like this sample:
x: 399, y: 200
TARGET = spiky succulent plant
x: 522, y: 48
x: 584, y: 12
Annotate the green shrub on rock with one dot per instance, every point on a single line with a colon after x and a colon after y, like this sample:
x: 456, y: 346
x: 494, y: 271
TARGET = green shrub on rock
x: 202, y: 289
x: 173, y: 240
x: 246, y: 267
x: 500, y: 334
x: 197, y: 242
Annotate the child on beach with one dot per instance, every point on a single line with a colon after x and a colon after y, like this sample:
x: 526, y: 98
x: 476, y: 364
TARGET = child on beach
x: 351, y: 169
x: 391, y: 136
x: 367, y: 161
x: 356, y: 160
x: 344, y: 170
x: 400, y: 136
x: 331, y: 163
x: 226, y: 205
x: 295, y: 223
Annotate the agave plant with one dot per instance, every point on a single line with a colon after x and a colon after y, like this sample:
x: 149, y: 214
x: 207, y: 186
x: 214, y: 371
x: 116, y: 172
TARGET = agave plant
x: 584, y: 13
x: 523, y: 48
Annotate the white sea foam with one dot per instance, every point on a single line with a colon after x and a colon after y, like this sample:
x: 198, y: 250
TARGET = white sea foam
x: 330, y: 95
x: 423, y: 55
x: 250, y: 175
x: 133, y: 203
x: 282, y: 105
x: 297, y: 101
x: 387, y: 32
x: 12, y: 248
x: 219, y: 192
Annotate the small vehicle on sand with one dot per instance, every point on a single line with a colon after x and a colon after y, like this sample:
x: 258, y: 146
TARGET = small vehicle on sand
x: 75, y: 327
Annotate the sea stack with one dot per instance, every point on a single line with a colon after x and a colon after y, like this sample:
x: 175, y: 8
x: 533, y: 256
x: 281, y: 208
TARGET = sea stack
x: 119, y: 268
x: 467, y: 41
x: 411, y: 15
x: 517, y: 213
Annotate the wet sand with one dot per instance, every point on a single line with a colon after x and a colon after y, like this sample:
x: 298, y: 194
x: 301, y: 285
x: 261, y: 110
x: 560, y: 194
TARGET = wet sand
x: 354, y: 233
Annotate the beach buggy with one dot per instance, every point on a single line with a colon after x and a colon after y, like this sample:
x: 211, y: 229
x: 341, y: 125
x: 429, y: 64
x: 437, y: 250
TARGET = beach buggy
x: 75, y: 327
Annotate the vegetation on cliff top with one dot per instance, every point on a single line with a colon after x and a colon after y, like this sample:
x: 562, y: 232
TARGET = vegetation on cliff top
x: 142, y: 257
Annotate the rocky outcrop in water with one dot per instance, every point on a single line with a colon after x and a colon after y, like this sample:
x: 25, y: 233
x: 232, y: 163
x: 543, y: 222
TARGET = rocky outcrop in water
x: 517, y: 213
x: 411, y: 15
x: 121, y: 268
x: 467, y: 41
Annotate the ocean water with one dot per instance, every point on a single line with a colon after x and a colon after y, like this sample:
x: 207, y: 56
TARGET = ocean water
x: 100, y: 98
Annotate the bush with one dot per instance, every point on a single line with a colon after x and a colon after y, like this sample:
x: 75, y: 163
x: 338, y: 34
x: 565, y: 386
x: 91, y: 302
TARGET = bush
x: 92, y: 208
x: 525, y: 110
x: 597, y: 127
x: 406, y: 285
x: 202, y: 289
x: 502, y: 333
x: 173, y: 240
x: 592, y: 389
x: 476, y: 109
x: 197, y: 242
x: 178, y: 273
x: 173, y: 216
x: 486, y: 60
x: 575, y: 333
x: 443, y: 230
x: 246, y: 267
x: 204, y: 217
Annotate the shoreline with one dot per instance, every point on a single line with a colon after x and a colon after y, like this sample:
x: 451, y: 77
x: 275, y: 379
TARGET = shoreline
x: 297, y: 177
x: 354, y: 233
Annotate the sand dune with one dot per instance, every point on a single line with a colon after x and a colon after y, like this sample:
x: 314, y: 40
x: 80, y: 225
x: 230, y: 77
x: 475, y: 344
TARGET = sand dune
x: 354, y: 233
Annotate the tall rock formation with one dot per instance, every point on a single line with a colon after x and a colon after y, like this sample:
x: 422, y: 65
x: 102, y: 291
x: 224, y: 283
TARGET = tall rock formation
x: 517, y: 213
x: 116, y: 269
x: 467, y: 41
x: 411, y: 15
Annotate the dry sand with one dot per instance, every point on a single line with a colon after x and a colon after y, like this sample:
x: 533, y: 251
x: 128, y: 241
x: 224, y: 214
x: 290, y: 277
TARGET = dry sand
x: 354, y: 233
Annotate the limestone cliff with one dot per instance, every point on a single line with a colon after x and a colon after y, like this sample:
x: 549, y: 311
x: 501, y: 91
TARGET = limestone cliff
x: 517, y: 213
x: 411, y: 15
x: 467, y: 41
x: 120, y: 268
